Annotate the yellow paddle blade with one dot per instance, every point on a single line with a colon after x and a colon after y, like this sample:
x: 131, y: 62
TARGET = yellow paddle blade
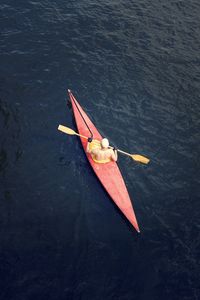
x: 140, y: 158
x: 70, y: 131
x: 66, y: 130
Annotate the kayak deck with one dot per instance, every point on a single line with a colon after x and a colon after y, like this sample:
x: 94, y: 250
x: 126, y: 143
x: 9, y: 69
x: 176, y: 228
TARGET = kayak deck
x: 108, y: 173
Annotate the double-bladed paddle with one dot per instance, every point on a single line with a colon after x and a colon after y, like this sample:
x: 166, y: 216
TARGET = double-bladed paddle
x: 135, y: 157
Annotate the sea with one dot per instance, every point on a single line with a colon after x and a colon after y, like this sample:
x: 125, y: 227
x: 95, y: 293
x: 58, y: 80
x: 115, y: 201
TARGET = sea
x: 134, y: 66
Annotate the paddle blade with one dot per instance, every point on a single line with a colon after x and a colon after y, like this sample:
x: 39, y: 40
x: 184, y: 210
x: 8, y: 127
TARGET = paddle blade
x: 140, y: 158
x: 66, y: 130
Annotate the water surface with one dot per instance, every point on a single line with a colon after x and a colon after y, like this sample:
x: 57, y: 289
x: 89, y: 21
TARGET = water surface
x: 134, y: 67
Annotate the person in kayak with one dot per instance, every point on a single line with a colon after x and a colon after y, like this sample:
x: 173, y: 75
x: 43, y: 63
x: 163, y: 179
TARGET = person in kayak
x: 102, y: 153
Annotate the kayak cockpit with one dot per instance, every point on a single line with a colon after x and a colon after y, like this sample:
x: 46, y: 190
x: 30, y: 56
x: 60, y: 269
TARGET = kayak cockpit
x: 95, y: 144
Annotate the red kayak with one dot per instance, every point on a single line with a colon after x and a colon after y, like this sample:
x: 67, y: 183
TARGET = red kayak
x: 108, y: 173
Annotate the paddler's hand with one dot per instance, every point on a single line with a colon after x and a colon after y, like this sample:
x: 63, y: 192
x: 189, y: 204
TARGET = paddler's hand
x: 114, y: 149
x: 90, y: 139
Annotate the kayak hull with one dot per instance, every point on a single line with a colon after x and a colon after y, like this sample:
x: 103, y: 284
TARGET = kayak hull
x: 108, y: 173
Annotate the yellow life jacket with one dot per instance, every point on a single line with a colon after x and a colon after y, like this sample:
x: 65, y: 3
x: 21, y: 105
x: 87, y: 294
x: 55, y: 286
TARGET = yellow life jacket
x: 96, y: 145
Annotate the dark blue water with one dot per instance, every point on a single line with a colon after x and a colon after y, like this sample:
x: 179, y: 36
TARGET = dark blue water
x: 135, y: 68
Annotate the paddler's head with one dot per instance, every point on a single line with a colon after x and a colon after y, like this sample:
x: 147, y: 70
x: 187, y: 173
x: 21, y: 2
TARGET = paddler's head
x: 104, y: 143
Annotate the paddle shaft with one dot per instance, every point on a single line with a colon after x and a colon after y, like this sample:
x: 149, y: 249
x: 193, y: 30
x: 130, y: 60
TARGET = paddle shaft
x: 126, y: 153
x: 96, y: 141
x: 84, y: 137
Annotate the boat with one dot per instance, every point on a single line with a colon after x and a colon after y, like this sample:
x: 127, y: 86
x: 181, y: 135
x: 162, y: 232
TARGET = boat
x: 108, y: 173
